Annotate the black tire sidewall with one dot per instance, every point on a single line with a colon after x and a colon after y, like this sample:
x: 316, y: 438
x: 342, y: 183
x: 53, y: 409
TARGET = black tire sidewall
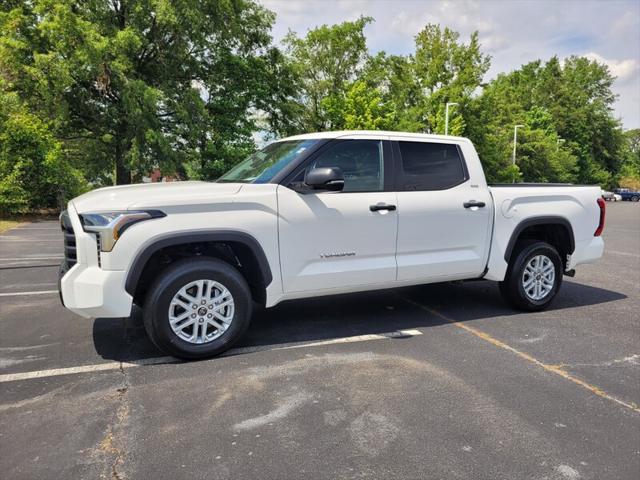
x: 156, y: 311
x: 513, y: 288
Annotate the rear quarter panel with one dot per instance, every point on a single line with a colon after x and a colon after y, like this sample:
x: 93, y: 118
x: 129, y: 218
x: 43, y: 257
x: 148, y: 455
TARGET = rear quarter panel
x: 577, y: 204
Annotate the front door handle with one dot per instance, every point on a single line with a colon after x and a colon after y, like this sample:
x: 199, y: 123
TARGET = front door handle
x: 473, y: 203
x: 382, y: 206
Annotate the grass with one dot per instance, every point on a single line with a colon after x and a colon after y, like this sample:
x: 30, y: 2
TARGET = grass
x: 8, y: 224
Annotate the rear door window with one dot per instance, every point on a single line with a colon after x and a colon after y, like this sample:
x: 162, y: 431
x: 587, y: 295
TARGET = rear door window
x: 430, y: 166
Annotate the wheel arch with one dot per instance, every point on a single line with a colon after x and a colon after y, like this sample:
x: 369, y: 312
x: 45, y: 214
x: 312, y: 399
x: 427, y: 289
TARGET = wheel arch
x: 556, y: 226
x: 244, y: 245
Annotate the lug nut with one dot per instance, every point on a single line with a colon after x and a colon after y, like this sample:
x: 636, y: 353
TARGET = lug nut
x: 210, y: 306
x: 193, y: 315
x: 209, y: 316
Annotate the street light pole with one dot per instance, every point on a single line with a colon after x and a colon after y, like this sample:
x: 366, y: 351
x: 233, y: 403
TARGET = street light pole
x: 446, y: 116
x: 515, y: 143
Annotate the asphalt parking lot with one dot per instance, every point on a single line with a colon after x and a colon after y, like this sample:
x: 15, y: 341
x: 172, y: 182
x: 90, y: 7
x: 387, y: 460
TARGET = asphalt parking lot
x: 431, y: 382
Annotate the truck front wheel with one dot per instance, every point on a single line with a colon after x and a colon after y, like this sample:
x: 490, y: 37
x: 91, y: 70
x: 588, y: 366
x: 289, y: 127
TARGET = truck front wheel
x: 533, y: 277
x: 197, y: 308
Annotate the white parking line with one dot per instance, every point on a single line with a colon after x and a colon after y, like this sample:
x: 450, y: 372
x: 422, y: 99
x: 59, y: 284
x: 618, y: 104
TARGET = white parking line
x: 12, y: 377
x: 18, y: 294
x: 49, y: 240
x: 18, y: 259
x: 626, y: 254
x: 56, y: 233
x: 26, y: 227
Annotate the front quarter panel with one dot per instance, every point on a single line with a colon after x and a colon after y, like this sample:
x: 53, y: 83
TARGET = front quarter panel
x: 252, y: 211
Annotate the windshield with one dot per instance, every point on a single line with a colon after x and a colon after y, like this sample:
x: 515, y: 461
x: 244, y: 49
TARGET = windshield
x: 263, y: 165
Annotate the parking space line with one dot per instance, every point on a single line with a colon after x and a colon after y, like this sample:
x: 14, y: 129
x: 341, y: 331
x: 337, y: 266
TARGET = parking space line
x: 20, y: 240
x: 100, y: 367
x: 626, y: 254
x: 18, y: 259
x: 18, y: 294
x: 556, y: 369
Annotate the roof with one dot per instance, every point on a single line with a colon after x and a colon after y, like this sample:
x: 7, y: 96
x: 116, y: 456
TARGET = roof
x: 374, y: 134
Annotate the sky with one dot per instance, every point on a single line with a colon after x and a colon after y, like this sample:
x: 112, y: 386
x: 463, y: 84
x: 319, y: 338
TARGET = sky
x: 513, y: 32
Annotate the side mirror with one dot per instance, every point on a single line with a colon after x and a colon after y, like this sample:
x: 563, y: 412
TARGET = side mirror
x: 325, y: 178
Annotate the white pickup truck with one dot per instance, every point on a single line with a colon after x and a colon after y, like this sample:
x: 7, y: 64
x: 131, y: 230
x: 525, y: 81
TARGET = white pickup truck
x: 312, y: 215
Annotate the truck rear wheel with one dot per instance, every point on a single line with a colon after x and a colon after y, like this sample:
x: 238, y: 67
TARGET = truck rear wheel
x: 533, y: 277
x: 197, y: 308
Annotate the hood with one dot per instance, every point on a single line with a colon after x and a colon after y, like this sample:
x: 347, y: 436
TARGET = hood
x: 153, y: 195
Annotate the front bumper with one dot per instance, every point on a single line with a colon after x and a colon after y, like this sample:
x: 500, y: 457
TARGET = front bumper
x: 85, y: 288
x: 93, y: 292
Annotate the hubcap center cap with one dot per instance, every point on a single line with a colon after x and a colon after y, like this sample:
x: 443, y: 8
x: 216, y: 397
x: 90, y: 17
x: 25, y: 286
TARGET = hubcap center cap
x: 202, y: 311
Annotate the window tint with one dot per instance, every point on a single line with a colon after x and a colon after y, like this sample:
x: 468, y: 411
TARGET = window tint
x: 430, y: 166
x: 360, y: 162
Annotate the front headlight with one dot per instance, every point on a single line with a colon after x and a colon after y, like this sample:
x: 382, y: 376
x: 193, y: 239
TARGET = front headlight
x: 110, y: 226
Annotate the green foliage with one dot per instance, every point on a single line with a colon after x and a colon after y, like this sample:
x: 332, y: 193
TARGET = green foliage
x: 130, y: 85
x: 571, y: 103
x: 447, y: 71
x: 33, y: 171
x: 115, y: 88
x: 629, y: 175
x: 324, y: 63
x: 361, y: 109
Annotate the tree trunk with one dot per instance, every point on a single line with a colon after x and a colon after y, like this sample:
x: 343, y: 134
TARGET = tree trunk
x: 123, y: 172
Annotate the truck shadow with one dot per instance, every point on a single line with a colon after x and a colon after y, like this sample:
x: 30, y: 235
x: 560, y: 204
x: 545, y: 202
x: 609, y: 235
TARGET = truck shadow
x: 348, y: 315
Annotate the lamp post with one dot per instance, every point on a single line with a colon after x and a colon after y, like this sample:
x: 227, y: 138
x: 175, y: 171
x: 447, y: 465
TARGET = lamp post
x: 446, y: 116
x: 515, y: 142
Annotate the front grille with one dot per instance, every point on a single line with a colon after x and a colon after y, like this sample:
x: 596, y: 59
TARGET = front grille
x: 99, y: 249
x: 70, y: 255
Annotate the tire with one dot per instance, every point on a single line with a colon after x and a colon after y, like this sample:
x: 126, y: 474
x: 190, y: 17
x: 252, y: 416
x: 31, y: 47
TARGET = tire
x: 635, y: 198
x: 513, y: 288
x: 165, y: 297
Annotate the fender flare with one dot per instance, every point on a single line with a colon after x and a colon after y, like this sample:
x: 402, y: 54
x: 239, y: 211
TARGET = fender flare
x: 531, y: 222
x: 226, y: 236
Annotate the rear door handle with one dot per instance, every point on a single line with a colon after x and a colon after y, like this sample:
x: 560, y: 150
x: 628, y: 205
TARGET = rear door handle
x: 382, y: 206
x: 473, y: 203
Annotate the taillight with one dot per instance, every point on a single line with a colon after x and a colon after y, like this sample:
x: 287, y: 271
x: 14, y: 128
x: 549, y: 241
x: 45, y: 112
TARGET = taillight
x: 603, y: 208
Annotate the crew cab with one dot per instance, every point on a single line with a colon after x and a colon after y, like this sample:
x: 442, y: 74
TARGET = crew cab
x: 318, y: 214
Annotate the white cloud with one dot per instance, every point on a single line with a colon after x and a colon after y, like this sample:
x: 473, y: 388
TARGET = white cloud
x: 622, y: 69
x: 513, y: 33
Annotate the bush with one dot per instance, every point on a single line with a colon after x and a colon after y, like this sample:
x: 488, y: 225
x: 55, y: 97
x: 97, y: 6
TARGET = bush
x: 33, y: 171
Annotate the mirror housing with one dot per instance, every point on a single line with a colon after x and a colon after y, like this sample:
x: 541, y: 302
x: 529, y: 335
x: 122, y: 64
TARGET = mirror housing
x: 325, y: 178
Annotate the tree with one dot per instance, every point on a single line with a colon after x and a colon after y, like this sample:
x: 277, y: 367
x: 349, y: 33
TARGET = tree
x: 365, y: 109
x: 325, y: 63
x: 33, y: 171
x: 134, y: 84
x: 577, y: 100
x: 447, y: 71
x: 629, y: 175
